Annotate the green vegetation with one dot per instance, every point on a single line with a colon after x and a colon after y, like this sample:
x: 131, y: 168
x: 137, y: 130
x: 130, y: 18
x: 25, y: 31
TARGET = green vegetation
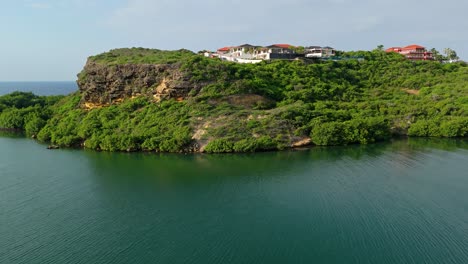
x: 141, y: 56
x: 450, y: 54
x: 25, y: 111
x: 266, y: 106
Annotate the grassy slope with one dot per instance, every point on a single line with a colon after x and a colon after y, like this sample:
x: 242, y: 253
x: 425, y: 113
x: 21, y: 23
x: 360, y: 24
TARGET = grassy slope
x: 141, y: 55
x: 268, y: 105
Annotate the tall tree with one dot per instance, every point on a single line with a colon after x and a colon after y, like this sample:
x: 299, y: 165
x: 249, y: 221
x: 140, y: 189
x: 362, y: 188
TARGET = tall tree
x: 380, y: 47
x: 451, y: 54
x: 437, y: 56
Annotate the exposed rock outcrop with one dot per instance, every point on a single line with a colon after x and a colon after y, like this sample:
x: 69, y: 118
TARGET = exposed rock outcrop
x: 102, y: 85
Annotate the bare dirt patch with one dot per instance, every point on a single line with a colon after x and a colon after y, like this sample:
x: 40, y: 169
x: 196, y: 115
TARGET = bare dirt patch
x: 411, y: 91
x: 301, y: 142
x: 91, y: 106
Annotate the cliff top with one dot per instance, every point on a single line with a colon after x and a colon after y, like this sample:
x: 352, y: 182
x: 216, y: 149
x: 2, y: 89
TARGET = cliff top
x: 141, y: 56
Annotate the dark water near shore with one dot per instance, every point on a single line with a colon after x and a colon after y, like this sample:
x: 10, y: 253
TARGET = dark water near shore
x: 39, y: 88
x: 399, y: 202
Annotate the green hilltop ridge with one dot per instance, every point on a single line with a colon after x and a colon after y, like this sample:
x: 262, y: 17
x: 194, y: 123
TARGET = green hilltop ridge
x: 141, y: 56
x: 177, y: 101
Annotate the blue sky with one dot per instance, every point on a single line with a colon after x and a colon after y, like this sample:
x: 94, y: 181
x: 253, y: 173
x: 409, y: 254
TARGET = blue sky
x: 46, y: 40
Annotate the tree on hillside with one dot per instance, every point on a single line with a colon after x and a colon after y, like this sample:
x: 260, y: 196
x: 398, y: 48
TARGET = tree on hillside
x: 299, y: 49
x: 379, y: 48
x: 437, y: 56
x: 451, y: 54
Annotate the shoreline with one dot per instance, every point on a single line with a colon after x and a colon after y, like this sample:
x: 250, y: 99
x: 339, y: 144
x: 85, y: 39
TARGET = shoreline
x: 20, y: 134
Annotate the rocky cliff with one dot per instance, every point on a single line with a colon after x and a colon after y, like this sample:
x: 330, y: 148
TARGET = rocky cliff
x: 102, y: 84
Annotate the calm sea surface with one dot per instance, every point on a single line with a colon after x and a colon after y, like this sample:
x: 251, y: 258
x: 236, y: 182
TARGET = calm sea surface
x: 39, y: 88
x: 399, y: 202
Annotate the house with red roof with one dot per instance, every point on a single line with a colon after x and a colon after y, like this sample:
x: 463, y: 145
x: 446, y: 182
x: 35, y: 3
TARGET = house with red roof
x: 223, y: 50
x: 413, y: 52
x: 241, y: 54
x: 283, y: 46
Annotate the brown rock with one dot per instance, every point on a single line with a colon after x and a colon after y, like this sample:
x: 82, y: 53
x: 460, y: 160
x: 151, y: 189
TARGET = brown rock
x: 103, y: 85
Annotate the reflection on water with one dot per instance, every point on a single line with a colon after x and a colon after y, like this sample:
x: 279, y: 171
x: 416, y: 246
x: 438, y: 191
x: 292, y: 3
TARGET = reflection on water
x: 10, y: 134
x: 203, y: 168
x: 398, y: 202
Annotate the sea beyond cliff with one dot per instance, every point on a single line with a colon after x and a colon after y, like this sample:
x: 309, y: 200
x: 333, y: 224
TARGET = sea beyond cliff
x: 39, y: 88
x: 178, y: 101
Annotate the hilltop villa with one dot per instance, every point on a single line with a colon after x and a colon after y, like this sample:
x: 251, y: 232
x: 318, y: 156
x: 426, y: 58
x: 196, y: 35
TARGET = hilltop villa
x: 412, y: 52
x: 319, y: 52
x: 247, y: 53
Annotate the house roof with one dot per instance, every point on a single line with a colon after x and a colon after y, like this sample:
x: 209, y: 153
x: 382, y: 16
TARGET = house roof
x: 284, y: 46
x: 313, y: 47
x: 224, y: 49
x: 393, y: 49
x: 245, y: 46
x: 414, y: 46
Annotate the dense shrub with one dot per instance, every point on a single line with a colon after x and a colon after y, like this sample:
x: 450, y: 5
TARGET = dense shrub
x: 220, y: 145
x: 363, y: 131
x: 330, y: 133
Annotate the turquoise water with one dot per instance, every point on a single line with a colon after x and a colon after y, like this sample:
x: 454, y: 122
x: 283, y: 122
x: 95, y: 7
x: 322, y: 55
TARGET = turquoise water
x: 399, y: 202
x: 39, y: 88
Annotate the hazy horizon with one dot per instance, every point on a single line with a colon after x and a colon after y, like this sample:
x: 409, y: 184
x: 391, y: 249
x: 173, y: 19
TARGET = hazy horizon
x: 50, y: 40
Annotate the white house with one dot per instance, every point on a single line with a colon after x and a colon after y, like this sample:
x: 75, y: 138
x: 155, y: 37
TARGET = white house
x: 319, y: 52
x: 253, y: 54
x: 276, y: 51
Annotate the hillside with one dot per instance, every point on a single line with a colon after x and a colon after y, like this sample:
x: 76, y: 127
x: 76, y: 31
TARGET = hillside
x: 172, y: 101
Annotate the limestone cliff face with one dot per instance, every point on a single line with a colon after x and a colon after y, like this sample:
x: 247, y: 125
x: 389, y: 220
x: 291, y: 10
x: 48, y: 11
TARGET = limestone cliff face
x: 102, y: 84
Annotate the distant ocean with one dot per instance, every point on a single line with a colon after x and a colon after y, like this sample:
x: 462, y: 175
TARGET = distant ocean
x: 39, y: 88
